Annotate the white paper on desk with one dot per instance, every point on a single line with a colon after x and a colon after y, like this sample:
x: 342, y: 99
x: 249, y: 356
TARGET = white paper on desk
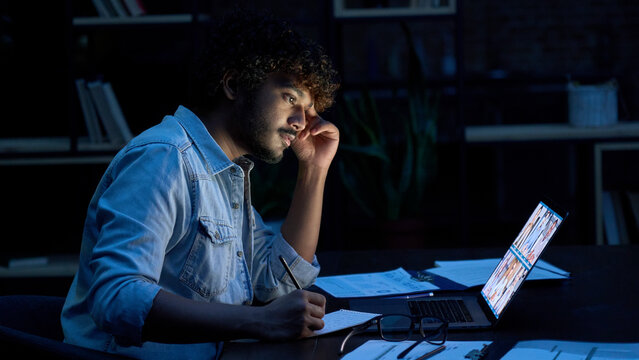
x: 476, y: 272
x: 394, y: 282
x: 567, y: 350
x: 387, y: 350
x: 343, y: 319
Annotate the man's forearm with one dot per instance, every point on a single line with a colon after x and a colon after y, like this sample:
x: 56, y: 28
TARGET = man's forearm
x: 302, y: 224
x: 175, y: 319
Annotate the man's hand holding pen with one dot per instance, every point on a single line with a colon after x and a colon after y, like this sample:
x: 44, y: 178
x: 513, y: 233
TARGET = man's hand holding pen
x: 295, y: 315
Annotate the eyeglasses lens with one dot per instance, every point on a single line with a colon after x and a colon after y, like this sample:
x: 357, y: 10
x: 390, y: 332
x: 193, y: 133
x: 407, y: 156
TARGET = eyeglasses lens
x: 433, y: 330
x: 395, y: 327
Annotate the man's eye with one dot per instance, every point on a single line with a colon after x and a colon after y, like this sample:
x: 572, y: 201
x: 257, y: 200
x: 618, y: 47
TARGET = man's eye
x: 290, y: 99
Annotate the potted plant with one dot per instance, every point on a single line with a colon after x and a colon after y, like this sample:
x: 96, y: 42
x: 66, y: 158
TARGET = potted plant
x: 398, y: 167
x: 386, y: 165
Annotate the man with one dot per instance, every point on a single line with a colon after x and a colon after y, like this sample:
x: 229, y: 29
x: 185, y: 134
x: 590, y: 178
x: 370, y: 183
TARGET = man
x: 172, y: 251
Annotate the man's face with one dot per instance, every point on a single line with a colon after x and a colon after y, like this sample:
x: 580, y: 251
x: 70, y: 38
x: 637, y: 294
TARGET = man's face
x: 267, y: 120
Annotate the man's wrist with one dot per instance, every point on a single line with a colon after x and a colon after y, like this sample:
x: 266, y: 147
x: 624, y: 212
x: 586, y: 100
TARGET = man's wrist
x: 254, y: 322
x: 312, y: 171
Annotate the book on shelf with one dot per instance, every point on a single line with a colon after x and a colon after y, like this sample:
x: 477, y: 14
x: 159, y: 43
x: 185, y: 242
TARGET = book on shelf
x: 119, y: 8
x: 611, y: 227
x: 616, y: 218
x: 116, y: 112
x: 633, y: 201
x: 617, y: 201
x: 102, y: 9
x: 135, y: 7
x: 109, y: 112
x: 89, y: 113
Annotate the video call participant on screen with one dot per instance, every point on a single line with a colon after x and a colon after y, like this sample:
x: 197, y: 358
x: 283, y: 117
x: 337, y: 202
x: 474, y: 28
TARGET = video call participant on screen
x: 172, y: 251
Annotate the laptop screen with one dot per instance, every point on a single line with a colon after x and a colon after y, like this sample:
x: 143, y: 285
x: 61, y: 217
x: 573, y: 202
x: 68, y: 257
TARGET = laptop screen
x: 520, y: 258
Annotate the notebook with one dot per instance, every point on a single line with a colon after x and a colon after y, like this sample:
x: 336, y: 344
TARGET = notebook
x: 483, y: 310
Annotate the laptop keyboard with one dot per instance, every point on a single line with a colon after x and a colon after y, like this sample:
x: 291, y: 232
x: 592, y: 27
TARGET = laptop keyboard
x: 451, y: 310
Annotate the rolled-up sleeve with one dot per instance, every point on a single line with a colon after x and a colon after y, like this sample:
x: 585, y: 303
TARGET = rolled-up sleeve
x: 269, y: 276
x: 136, y: 218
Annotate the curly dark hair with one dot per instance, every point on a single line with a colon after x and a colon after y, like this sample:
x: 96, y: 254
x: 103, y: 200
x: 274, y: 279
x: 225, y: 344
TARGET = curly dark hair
x: 256, y: 44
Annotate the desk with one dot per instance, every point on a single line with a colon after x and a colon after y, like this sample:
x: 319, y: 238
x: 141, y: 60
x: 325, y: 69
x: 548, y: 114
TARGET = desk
x: 598, y: 304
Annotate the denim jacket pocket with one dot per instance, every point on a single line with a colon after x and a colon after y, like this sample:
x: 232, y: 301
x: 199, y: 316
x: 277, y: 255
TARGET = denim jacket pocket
x: 208, y: 266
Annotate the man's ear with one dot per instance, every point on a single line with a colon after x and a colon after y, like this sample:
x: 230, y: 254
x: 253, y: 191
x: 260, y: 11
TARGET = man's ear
x: 229, y: 84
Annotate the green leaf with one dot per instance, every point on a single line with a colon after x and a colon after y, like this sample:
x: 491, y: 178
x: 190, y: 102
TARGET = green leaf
x: 387, y: 176
x: 354, y: 190
x: 409, y: 157
x: 359, y: 116
x: 375, y: 115
x: 369, y: 150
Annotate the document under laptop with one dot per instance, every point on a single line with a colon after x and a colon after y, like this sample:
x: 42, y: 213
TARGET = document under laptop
x: 486, y: 308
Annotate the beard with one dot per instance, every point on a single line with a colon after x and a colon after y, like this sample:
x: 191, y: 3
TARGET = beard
x: 251, y: 128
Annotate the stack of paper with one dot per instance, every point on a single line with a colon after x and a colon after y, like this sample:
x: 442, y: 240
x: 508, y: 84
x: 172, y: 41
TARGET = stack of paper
x: 394, y: 282
x: 558, y: 350
x: 447, y: 275
x: 476, y: 272
x: 387, y: 350
x: 343, y: 319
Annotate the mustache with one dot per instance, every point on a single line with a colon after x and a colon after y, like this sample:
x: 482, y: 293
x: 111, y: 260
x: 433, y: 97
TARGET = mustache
x: 289, y: 131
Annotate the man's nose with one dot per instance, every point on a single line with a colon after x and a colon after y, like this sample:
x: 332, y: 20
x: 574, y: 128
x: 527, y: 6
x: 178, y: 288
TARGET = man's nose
x: 298, y: 120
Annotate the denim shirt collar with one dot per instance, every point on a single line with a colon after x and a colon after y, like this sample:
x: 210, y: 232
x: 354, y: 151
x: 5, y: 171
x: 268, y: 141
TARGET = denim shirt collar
x: 212, y: 152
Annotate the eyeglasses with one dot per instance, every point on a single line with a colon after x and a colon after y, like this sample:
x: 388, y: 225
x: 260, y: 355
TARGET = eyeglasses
x: 397, y: 327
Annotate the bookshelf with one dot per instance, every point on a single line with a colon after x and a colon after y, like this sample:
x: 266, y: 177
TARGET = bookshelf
x: 50, y: 164
x: 342, y: 9
x: 162, y: 20
x: 52, y: 151
x: 63, y: 265
x: 622, y: 137
x: 543, y: 132
x: 69, y: 143
x: 615, y: 228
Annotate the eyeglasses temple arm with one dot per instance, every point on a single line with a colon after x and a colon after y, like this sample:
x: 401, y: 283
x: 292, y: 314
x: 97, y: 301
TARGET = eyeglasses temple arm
x: 408, y: 349
x: 354, y: 332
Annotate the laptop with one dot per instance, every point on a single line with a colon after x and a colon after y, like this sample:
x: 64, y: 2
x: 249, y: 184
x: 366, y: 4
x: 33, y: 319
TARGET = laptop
x: 483, y: 310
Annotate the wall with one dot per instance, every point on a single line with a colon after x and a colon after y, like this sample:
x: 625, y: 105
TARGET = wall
x: 534, y: 44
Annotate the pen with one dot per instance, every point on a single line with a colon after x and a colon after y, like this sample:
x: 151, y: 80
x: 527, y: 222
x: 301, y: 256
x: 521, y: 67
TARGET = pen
x: 432, y: 353
x: 290, y: 273
x: 415, y: 296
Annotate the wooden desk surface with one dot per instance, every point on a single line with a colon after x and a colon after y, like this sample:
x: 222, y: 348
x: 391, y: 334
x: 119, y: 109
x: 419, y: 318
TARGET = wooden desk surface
x: 597, y: 304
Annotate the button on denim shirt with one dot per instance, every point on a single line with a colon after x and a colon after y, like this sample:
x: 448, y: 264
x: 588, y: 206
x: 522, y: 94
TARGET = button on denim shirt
x: 172, y: 212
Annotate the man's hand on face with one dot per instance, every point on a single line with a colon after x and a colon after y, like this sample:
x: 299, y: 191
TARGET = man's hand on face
x: 316, y: 145
x: 294, y: 315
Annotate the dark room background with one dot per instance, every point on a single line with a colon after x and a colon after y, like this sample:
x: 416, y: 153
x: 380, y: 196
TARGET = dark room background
x: 489, y: 65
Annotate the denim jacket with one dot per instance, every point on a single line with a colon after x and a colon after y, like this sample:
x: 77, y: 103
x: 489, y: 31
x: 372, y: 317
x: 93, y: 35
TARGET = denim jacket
x: 172, y: 212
